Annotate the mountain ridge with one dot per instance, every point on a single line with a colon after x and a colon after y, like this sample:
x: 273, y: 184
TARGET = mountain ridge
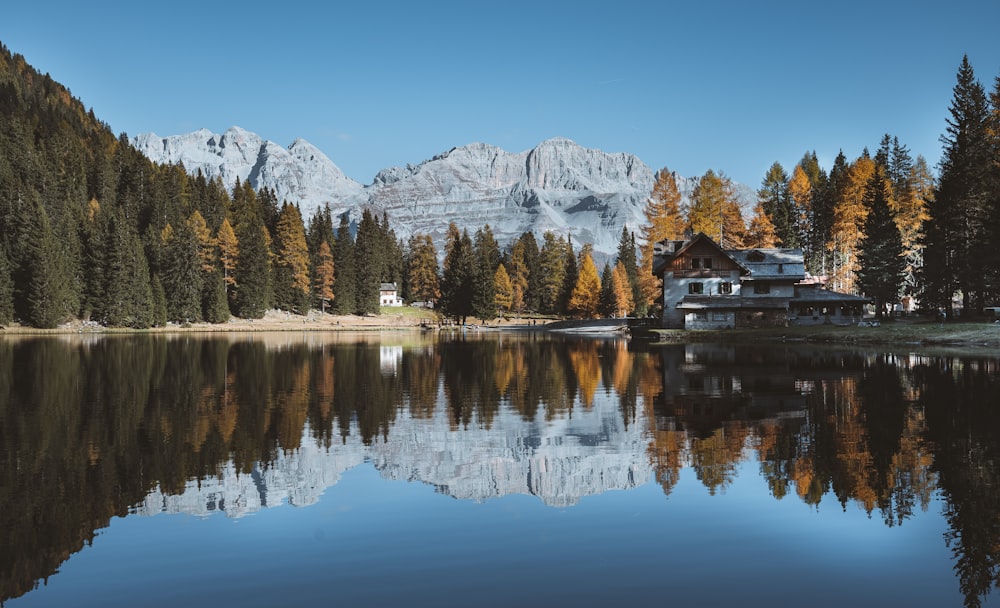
x: 558, y: 185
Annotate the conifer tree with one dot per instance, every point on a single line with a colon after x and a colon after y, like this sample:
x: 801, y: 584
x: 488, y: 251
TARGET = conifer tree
x: 458, y: 274
x: 504, y: 289
x: 715, y: 211
x: 369, y: 260
x: 552, y: 269
x: 487, y: 258
x: 570, y: 273
x: 881, y: 257
x: 6, y: 290
x: 253, y: 266
x: 774, y: 197
x: 215, y: 301
x: 127, y: 297
x: 344, y: 275
x: 158, y: 313
x: 320, y: 230
x: 291, y: 266
x: 664, y: 221
x: 761, y: 233
x: 607, y: 304
x: 323, y: 276
x: 422, y: 269
x: 518, y: 272
x: 46, y: 295
x: 182, y: 274
x: 532, y: 262
x: 957, y: 238
x: 229, y: 255
x: 585, y: 299
x: 848, y: 223
x: 622, y: 291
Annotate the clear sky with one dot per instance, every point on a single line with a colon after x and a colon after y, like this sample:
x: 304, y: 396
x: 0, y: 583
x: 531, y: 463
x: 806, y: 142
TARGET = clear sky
x: 731, y: 86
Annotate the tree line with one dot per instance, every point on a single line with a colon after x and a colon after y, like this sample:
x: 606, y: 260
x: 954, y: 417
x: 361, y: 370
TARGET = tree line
x: 91, y: 229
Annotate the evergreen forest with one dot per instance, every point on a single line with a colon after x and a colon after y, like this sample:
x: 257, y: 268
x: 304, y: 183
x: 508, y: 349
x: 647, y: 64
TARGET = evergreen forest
x: 91, y: 230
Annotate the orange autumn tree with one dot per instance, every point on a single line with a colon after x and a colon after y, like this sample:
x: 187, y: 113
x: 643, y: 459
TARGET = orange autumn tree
x: 664, y: 221
x: 586, y: 294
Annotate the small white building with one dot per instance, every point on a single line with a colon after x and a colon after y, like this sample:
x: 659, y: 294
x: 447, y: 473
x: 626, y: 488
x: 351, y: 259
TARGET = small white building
x: 388, y: 295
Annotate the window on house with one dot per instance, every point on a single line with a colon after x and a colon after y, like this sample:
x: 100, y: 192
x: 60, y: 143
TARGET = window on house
x: 761, y: 288
x: 695, y: 263
x: 701, y: 316
x: 718, y: 315
x: 707, y: 263
x: 696, y: 288
x: 725, y: 287
x: 781, y: 268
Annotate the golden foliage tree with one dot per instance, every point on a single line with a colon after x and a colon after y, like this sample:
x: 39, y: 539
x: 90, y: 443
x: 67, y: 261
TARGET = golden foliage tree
x: 206, y: 243
x: 622, y: 291
x: 715, y: 210
x: 664, y: 221
x: 324, y: 275
x: 849, y: 213
x: 586, y: 294
x: 504, y: 294
x: 229, y: 251
x: 761, y: 233
x: 292, y: 261
x: 422, y: 270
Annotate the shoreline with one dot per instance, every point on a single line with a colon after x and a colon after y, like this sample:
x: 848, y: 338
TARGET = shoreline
x: 908, y: 333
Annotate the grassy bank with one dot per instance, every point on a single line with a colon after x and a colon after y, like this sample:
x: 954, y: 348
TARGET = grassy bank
x: 889, y: 333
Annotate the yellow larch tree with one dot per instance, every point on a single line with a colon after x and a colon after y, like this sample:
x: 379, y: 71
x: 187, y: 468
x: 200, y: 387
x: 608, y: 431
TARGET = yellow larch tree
x: 503, y: 289
x: 229, y: 251
x: 323, y: 275
x: 586, y: 294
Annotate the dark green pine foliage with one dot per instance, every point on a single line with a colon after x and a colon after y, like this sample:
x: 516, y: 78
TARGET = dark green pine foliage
x: 320, y: 230
x: 882, y: 264
x: 777, y: 203
x: 823, y: 215
x: 215, y: 303
x: 572, y: 272
x: 181, y: 275
x: 458, y: 275
x: 253, y: 268
x: 627, y: 257
x: 607, y: 305
x: 369, y: 261
x: 92, y: 233
x: 6, y: 289
x: 955, y: 238
x: 345, y: 294
x: 127, y: 298
x: 158, y: 316
x: 46, y: 302
x: 532, y: 260
x: 487, y: 258
x: 270, y: 208
x: 815, y: 224
x: 393, y: 253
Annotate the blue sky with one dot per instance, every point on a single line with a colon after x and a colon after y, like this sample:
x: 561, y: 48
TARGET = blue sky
x: 729, y: 86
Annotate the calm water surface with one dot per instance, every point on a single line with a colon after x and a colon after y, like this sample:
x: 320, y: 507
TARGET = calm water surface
x: 493, y: 470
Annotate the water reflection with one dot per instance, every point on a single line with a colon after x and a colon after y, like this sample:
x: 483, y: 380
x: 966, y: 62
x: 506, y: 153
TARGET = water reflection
x: 102, y: 428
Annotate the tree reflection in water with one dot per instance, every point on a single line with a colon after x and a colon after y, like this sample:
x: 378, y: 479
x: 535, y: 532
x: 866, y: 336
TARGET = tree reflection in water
x: 90, y: 428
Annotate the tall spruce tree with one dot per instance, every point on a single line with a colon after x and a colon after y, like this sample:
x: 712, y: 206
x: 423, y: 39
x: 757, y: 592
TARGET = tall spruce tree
x: 774, y: 197
x: 181, y: 273
x: 253, y: 266
x: 291, y: 266
x: 458, y: 274
x: 487, y: 258
x: 627, y: 258
x: 956, y: 238
x: 6, y: 290
x: 344, y: 302
x: 369, y: 260
x: 552, y: 270
x: 882, y: 265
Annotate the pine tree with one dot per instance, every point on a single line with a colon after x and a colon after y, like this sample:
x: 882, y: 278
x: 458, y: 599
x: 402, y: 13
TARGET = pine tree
x: 291, y: 266
x: 664, y: 221
x: 570, y: 273
x: 229, y: 255
x: 182, y: 275
x: 607, y: 305
x: 715, y: 210
x: 881, y: 256
x: 215, y: 302
x: 487, y: 258
x: 422, y: 269
x: 504, y: 289
x: 517, y: 269
x: 623, y: 293
x: 6, y: 290
x: 127, y: 297
x: 158, y: 298
x: 848, y: 223
x: 761, y: 233
x: 253, y: 266
x: 344, y: 275
x: 458, y: 274
x: 553, y: 272
x: 323, y: 276
x: 956, y: 238
x: 774, y: 197
x: 585, y: 299
x: 533, y: 264
x: 46, y: 293
x: 369, y: 260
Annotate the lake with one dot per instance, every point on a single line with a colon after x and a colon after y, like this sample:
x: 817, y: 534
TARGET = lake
x: 493, y: 469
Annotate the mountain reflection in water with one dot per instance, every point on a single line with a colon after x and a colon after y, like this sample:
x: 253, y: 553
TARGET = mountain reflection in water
x: 118, y: 426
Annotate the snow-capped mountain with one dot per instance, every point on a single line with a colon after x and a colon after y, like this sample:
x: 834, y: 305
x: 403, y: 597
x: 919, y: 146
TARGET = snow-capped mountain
x: 558, y: 185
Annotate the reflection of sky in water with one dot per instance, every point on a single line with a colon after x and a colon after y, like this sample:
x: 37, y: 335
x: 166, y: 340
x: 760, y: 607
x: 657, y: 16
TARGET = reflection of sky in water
x: 374, y: 542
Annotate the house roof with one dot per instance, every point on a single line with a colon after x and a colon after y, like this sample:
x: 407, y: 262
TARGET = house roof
x: 771, y: 264
x: 387, y: 287
x: 756, y: 264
